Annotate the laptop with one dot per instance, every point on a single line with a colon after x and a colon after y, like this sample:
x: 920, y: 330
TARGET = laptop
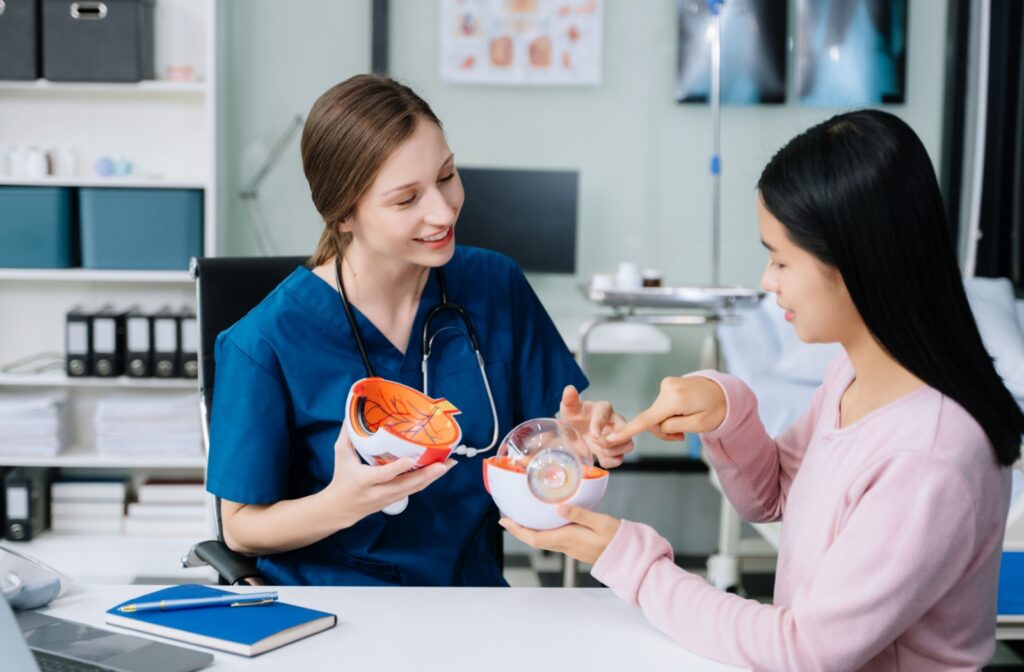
x: 31, y: 641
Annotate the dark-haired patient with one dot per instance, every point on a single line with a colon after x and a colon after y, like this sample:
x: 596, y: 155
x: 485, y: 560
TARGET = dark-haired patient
x: 893, y: 487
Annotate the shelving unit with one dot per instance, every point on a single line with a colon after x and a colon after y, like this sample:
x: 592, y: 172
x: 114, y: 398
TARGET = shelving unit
x: 114, y: 558
x: 121, y: 382
x: 169, y: 131
x: 109, y: 182
x: 152, y: 86
x: 79, y: 456
x: 81, y: 275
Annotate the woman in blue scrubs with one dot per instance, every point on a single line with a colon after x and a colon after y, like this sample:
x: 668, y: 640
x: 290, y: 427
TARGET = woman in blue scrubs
x: 293, y: 490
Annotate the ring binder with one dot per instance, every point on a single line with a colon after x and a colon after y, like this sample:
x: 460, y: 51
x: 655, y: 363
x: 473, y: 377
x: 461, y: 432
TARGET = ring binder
x: 189, y: 344
x: 108, y: 342
x: 138, y: 344
x: 27, y: 500
x: 166, y: 347
x: 78, y: 342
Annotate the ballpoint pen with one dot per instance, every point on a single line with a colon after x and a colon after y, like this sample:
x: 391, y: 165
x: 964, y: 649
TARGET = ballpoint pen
x: 233, y: 600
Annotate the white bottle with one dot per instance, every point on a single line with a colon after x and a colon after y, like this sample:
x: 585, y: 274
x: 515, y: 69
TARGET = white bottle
x: 16, y: 162
x: 36, y: 165
x: 629, y: 276
x: 64, y: 162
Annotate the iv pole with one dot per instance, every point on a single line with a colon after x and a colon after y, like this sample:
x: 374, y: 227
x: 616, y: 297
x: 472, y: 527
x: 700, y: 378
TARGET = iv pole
x: 715, y: 7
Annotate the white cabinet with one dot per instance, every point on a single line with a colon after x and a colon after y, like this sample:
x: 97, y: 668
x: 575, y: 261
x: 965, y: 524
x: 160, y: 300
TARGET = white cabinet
x: 168, y: 130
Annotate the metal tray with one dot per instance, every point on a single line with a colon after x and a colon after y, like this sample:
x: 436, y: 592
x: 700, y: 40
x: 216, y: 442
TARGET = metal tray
x: 692, y: 297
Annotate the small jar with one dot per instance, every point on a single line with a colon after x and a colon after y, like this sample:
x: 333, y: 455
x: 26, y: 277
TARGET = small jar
x: 652, y: 277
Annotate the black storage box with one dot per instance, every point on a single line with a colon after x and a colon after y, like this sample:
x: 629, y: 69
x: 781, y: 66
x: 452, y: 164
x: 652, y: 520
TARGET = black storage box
x: 108, y: 41
x: 19, y: 39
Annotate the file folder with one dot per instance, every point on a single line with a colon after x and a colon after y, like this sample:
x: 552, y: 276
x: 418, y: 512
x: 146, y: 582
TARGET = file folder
x: 26, y: 503
x: 3, y: 501
x: 138, y: 344
x: 108, y: 343
x: 189, y: 344
x: 166, y: 344
x: 78, y: 343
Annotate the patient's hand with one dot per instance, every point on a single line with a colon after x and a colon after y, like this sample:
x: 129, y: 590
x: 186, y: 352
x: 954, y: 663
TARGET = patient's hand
x: 684, y: 404
x: 594, y: 420
x: 585, y: 538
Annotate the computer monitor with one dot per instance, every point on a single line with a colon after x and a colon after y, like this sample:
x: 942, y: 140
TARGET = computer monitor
x: 529, y: 215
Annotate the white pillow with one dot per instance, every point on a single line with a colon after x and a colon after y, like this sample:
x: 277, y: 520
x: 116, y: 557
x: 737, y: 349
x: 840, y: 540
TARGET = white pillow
x: 994, y: 307
x: 805, y: 362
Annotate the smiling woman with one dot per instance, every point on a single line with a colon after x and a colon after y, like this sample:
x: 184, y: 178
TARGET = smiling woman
x: 370, y: 131
x: 292, y: 488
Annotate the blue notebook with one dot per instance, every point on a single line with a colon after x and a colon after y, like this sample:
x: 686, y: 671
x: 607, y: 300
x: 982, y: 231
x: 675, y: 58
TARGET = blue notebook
x: 1010, y: 606
x: 247, y: 631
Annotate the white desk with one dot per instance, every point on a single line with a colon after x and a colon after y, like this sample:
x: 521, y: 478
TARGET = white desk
x: 448, y: 629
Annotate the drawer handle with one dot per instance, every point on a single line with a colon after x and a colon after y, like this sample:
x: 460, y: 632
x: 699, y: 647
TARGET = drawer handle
x: 3, y: 6
x: 88, y: 11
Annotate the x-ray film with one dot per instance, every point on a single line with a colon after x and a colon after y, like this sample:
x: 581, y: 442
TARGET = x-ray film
x: 753, y: 51
x: 850, y: 52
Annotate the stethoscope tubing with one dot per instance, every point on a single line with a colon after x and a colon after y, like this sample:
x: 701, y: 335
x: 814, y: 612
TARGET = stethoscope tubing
x: 427, y: 341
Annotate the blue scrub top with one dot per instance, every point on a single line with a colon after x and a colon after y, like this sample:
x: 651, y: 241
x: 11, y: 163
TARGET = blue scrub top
x: 283, y: 374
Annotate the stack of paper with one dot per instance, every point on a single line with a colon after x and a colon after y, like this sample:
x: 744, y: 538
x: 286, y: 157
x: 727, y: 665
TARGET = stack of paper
x: 88, y: 506
x: 32, y: 423
x: 148, y: 425
x: 170, y: 508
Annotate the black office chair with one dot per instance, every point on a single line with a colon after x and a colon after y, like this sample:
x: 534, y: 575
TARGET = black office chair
x: 226, y: 289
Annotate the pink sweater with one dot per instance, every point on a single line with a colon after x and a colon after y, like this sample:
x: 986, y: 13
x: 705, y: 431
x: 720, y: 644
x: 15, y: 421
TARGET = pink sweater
x: 890, y: 548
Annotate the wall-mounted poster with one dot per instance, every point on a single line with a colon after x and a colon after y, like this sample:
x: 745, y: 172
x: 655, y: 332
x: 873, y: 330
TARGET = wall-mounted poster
x: 753, y: 51
x: 850, y: 52
x: 521, y: 41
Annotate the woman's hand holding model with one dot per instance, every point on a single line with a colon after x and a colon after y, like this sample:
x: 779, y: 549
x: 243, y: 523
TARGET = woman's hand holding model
x: 684, y: 404
x: 358, y: 490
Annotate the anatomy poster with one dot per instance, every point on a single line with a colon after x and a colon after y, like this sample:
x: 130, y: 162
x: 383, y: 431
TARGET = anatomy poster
x: 521, y: 42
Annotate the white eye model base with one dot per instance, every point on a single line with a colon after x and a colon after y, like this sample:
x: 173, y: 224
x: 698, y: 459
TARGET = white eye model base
x: 511, y: 493
x: 377, y: 459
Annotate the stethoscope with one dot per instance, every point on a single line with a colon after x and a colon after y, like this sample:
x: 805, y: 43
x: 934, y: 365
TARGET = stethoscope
x: 428, y: 343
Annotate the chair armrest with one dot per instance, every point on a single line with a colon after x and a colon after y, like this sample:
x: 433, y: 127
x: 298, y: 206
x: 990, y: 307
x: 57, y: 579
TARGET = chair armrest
x: 234, y: 568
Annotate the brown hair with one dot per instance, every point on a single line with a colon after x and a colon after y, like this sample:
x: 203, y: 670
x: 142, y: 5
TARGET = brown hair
x: 349, y: 133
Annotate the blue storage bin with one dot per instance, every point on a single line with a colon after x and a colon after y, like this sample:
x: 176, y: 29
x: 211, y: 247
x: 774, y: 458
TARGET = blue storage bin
x: 158, y: 229
x: 36, y: 227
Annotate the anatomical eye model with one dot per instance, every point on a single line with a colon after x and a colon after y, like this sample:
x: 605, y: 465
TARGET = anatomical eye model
x: 405, y: 413
x: 540, y: 464
x: 388, y: 421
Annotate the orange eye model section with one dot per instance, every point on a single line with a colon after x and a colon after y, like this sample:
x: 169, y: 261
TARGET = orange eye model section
x: 508, y: 464
x: 378, y: 404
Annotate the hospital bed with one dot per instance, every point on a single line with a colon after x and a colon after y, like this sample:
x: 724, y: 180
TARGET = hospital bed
x: 763, y: 350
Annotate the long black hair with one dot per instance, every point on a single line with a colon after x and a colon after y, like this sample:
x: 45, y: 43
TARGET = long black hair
x: 859, y: 193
